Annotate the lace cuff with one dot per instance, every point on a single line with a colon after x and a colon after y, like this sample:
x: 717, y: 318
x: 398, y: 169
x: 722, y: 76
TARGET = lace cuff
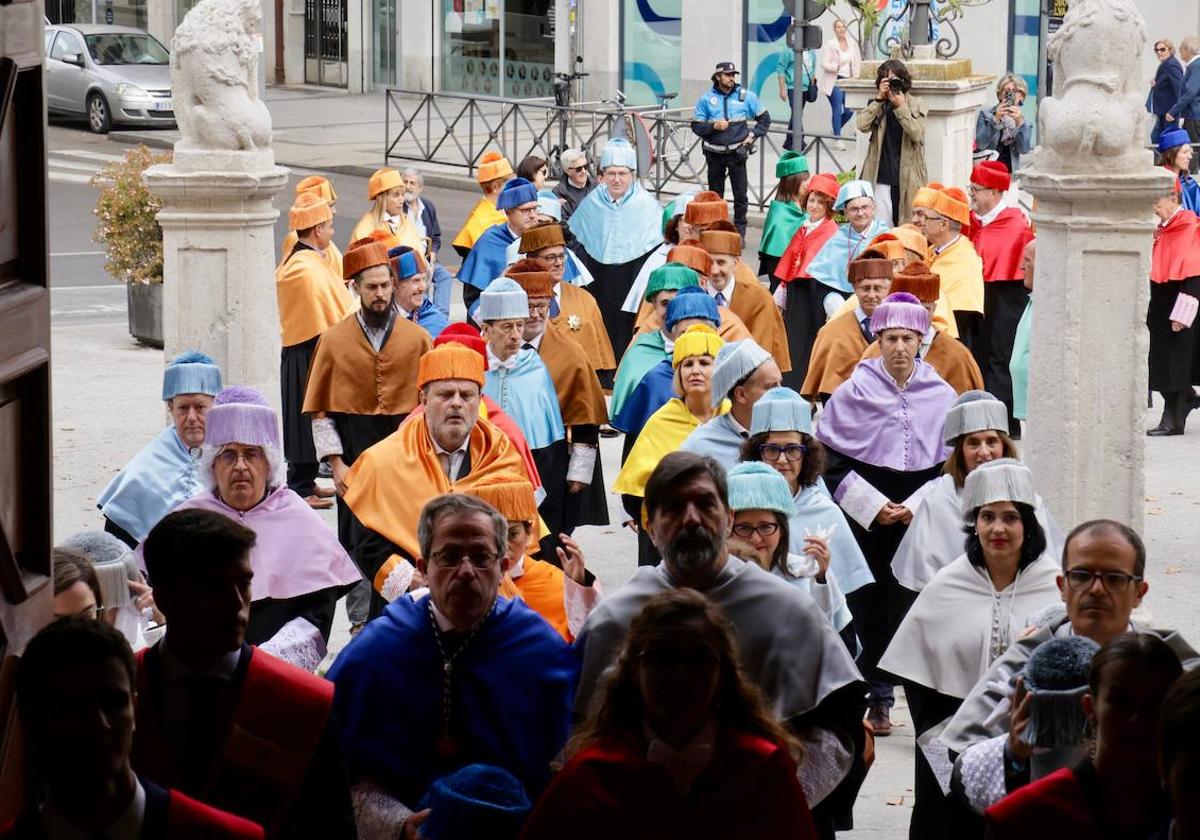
x: 582, y: 463
x: 579, y: 601
x: 982, y: 770
x: 377, y: 814
x: 326, y: 439
x: 859, y: 499
x: 394, y: 577
x: 298, y: 642
x: 826, y: 763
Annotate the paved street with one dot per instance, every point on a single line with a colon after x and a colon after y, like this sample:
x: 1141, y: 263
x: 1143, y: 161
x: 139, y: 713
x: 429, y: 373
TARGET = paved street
x: 106, y: 406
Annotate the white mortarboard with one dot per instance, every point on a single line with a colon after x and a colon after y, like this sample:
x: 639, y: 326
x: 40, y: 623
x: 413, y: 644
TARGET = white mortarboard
x: 1002, y: 480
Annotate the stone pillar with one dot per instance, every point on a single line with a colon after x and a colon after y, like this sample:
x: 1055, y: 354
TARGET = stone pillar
x: 1094, y: 183
x: 219, y: 263
x: 953, y: 95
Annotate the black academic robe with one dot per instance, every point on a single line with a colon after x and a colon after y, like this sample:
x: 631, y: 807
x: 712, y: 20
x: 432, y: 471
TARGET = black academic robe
x: 609, y: 287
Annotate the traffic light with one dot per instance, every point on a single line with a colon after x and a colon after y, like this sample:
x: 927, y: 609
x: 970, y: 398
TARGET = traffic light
x: 807, y: 37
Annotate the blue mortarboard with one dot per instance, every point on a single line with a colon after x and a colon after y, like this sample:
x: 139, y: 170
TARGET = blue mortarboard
x: 691, y: 302
x: 477, y: 801
x: 549, y: 205
x: 852, y: 190
x: 781, y: 410
x: 516, y: 191
x: 1170, y: 139
x: 404, y: 261
x: 754, y: 485
x: 618, y: 152
x: 191, y: 372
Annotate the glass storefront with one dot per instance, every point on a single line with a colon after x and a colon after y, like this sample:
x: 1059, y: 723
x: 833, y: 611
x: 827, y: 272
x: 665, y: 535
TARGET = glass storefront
x: 383, y: 43
x: 650, y: 47
x: 766, y: 41
x: 112, y: 12
x: 498, y: 47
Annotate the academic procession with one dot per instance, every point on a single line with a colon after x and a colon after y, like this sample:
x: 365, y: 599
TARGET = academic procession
x: 821, y: 463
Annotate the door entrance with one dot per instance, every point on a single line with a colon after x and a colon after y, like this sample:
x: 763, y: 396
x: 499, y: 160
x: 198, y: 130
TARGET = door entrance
x: 325, y: 43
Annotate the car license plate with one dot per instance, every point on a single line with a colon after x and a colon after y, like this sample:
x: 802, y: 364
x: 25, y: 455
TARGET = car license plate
x: 163, y: 105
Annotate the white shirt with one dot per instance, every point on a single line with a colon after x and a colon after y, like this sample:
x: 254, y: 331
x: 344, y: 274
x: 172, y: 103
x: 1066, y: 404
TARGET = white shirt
x: 727, y: 291
x: 990, y: 217
x: 536, y: 342
x: 456, y: 457
x: 938, y: 251
x: 495, y: 362
x: 414, y: 216
x: 128, y: 826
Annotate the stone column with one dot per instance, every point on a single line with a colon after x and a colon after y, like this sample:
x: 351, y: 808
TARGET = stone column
x: 219, y: 263
x: 953, y: 95
x: 1095, y: 184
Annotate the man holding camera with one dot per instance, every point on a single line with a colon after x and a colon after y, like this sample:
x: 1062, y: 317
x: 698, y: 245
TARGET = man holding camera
x: 895, y: 161
x: 722, y: 119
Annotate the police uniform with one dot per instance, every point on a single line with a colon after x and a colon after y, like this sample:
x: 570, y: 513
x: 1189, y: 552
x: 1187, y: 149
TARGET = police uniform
x: 740, y: 107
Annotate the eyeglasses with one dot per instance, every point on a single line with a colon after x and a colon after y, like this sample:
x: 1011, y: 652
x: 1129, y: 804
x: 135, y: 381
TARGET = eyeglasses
x: 452, y: 559
x: 1161, y: 49
x: 577, y: 168
x: 1080, y: 580
x: 554, y: 258
x: 745, y: 530
x: 539, y: 308
x: 773, y: 451
x: 230, y: 457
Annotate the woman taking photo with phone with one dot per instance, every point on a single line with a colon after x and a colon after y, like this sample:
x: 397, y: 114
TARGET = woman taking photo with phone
x: 1003, y: 128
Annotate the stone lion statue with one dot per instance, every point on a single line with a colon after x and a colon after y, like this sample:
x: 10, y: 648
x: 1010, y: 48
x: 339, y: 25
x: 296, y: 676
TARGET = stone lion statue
x: 214, y: 65
x: 1096, y: 120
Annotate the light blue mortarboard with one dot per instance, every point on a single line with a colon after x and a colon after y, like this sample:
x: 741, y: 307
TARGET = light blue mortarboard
x: 618, y: 152
x: 735, y: 361
x: 191, y: 372
x: 852, y: 190
x: 754, y: 485
x: 781, y: 410
x: 502, y: 300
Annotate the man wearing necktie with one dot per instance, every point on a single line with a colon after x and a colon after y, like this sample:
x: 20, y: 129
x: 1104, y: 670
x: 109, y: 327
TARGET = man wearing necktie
x: 746, y: 298
x: 841, y: 342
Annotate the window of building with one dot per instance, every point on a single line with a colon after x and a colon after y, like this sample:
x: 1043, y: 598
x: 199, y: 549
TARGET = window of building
x: 768, y: 55
x: 650, y: 48
x: 498, y: 47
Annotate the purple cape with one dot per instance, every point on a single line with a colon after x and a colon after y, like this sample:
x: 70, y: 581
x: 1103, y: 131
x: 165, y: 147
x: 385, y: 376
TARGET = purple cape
x: 870, y: 419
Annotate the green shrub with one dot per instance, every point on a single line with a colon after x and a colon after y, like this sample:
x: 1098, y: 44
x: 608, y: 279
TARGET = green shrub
x: 126, y: 221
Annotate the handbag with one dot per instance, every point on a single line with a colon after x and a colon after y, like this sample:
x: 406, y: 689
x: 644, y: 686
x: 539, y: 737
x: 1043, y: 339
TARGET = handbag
x: 811, y: 92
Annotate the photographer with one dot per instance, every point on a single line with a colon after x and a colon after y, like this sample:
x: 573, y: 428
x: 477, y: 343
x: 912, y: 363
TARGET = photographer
x: 722, y: 120
x: 895, y: 161
x: 1003, y: 127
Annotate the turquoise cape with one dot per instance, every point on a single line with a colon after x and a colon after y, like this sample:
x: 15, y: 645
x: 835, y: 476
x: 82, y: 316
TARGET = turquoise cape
x: 647, y: 350
x: 526, y: 394
x: 154, y: 481
x: 784, y: 218
x: 831, y: 265
x: 614, y: 233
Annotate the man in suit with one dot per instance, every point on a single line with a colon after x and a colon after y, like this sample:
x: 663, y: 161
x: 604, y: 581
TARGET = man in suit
x: 75, y: 690
x: 1187, y: 108
x: 221, y: 720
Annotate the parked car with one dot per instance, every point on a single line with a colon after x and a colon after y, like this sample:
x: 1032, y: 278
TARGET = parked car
x: 110, y: 74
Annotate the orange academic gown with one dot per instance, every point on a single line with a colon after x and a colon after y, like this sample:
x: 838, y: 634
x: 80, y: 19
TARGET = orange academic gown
x: 838, y: 348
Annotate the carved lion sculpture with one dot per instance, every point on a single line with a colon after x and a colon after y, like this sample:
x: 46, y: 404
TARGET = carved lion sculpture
x: 214, y: 77
x: 1096, y: 120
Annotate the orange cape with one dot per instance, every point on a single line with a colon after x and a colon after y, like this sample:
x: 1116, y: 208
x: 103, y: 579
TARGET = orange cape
x: 578, y: 307
x: 347, y: 376
x: 406, y: 234
x: 390, y: 482
x: 951, y: 359
x: 332, y: 255
x: 838, y: 348
x: 311, y: 297
x: 483, y: 215
x: 541, y: 587
x: 580, y: 397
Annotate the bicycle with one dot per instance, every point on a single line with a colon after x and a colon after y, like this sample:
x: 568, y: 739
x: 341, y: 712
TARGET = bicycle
x: 562, y: 105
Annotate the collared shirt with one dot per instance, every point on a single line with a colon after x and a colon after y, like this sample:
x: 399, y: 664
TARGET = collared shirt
x: 864, y: 323
x: 495, y: 362
x: 990, y: 216
x: 534, y: 344
x: 939, y: 251
x: 128, y: 826
x: 926, y: 341
x: 414, y: 212
x: 456, y: 457
x: 668, y: 343
x: 685, y: 764
x: 726, y: 293
x: 377, y: 335
x: 741, y: 430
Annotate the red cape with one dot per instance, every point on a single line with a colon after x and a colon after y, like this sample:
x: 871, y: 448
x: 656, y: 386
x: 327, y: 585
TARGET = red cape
x: 1176, y: 254
x: 1001, y: 244
x: 804, y: 246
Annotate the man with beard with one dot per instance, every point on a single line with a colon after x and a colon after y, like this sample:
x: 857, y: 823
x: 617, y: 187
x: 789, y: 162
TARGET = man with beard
x: 458, y: 677
x: 363, y: 378
x: 788, y: 647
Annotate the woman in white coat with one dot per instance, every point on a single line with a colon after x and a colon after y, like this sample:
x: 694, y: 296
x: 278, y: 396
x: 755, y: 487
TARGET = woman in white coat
x: 841, y: 59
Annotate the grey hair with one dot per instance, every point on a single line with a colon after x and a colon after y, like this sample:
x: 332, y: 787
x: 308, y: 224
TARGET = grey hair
x: 569, y: 156
x: 414, y: 172
x: 1191, y: 43
x: 208, y: 455
x: 458, y: 504
x: 954, y: 226
x: 1019, y: 81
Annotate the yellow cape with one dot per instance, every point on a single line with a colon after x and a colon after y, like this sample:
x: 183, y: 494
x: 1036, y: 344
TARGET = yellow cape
x: 483, y: 215
x: 961, y: 272
x: 664, y: 432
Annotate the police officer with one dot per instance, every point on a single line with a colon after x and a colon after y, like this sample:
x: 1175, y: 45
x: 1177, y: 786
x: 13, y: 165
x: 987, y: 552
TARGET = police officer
x: 722, y: 120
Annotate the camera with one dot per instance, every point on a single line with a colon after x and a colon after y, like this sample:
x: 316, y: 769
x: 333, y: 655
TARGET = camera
x: 896, y: 86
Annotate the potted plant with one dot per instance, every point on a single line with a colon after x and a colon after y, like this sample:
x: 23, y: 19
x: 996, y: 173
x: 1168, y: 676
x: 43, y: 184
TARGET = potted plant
x: 127, y: 227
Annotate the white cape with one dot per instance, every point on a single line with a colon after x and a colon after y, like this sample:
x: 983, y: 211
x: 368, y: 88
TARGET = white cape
x: 935, y: 537
x: 959, y: 624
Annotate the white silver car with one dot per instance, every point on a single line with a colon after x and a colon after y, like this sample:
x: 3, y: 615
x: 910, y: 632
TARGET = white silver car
x: 110, y: 74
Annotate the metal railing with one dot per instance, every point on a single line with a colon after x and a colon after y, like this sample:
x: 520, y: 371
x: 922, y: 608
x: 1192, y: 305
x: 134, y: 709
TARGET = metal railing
x: 456, y: 129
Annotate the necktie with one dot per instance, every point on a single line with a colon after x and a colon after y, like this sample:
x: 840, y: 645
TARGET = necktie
x: 444, y: 460
x: 554, y: 308
x: 527, y: 346
x: 719, y: 298
x: 412, y: 316
x: 866, y: 330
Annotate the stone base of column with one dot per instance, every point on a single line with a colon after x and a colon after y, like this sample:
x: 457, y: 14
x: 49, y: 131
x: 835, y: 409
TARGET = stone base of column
x: 218, y: 221
x: 1088, y: 352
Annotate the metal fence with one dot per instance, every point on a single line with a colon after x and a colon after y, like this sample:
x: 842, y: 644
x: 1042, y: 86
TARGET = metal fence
x: 456, y: 129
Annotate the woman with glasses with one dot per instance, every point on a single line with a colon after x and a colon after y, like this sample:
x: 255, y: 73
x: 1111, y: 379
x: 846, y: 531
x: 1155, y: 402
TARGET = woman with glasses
x: 977, y: 430
x: 681, y: 744
x: 781, y: 438
x: 762, y: 507
x: 1166, y: 87
x: 881, y: 429
x: 668, y: 427
x: 1003, y: 127
x: 969, y: 615
x: 300, y: 569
